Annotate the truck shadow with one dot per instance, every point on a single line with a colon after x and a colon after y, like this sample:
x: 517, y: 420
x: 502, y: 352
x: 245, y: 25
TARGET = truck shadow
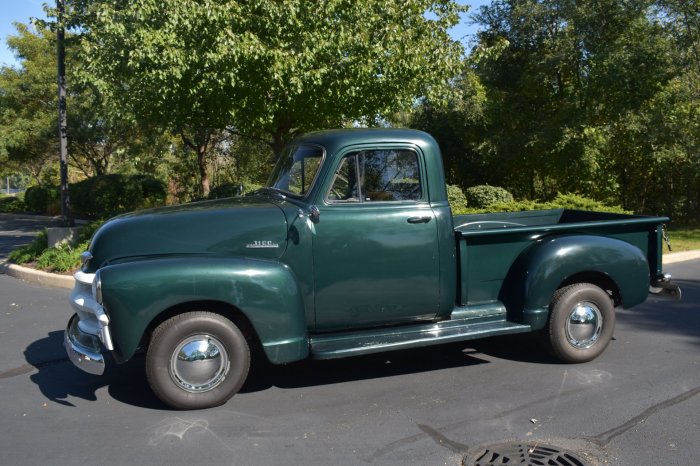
x: 59, y: 380
x: 519, y: 347
x: 665, y: 316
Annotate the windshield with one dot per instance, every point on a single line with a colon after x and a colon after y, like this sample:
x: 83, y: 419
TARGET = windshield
x: 296, y: 169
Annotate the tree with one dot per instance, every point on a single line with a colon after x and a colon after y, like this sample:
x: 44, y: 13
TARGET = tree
x: 267, y: 70
x: 28, y: 128
x: 563, y: 91
x: 28, y: 101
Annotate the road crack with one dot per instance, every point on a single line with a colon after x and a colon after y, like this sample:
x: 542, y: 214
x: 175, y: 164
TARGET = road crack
x: 604, y: 438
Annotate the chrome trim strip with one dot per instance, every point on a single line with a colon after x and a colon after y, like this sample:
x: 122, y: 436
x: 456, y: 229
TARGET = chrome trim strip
x: 83, y: 349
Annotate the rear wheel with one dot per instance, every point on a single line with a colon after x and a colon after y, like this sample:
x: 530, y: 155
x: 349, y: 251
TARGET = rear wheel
x: 197, y: 360
x: 581, y: 322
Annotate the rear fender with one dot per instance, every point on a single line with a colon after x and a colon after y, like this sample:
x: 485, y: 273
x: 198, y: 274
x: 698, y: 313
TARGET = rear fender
x: 543, y: 267
x: 266, y: 292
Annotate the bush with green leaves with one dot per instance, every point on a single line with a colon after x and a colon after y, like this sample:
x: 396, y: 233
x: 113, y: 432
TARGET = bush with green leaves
x: 561, y: 201
x: 232, y: 189
x: 484, y: 196
x: 108, y: 195
x: 29, y: 252
x: 43, y: 200
x: 456, y: 198
x: 11, y: 204
x: 62, y: 258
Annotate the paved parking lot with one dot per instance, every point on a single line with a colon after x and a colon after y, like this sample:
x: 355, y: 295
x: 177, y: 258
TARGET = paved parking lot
x: 635, y: 405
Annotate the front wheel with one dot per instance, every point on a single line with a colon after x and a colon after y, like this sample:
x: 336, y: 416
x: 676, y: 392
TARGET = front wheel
x: 197, y: 360
x: 581, y: 322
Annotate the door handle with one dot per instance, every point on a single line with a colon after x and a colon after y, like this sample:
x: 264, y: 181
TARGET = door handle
x: 425, y: 219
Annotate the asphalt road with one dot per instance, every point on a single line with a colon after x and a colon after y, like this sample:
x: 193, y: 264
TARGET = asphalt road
x: 16, y: 230
x: 638, y: 404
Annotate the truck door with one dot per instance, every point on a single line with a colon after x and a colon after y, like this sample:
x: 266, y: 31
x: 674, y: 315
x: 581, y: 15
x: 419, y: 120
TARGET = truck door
x: 376, y: 258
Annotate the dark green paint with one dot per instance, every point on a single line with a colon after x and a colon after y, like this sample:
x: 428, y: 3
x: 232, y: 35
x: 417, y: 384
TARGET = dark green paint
x: 266, y: 292
x: 361, y: 278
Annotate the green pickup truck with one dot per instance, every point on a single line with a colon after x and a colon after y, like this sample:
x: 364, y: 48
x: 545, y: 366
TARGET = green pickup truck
x: 351, y: 249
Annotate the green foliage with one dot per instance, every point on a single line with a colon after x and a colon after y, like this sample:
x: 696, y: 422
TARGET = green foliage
x: 456, y: 198
x: 62, y: 258
x: 561, y: 201
x: 42, y: 199
x: 31, y: 251
x: 11, y: 204
x: 265, y: 70
x: 597, y: 98
x: 104, y: 196
x: 232, y: 189
x: 484, y: 196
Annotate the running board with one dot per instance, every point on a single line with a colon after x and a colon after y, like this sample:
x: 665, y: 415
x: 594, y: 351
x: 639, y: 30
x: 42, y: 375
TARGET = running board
x: 340, y: 345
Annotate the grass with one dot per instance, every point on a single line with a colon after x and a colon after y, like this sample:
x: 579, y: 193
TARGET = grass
x: 684, y: 239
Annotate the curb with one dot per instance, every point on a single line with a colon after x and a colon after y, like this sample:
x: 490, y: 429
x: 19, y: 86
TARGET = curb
x: 674, y: 257
x: 53, y: 280
x: 37, y: 277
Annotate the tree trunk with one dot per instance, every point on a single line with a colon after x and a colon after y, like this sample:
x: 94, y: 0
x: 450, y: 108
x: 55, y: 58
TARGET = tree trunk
x: 203, y: 174
x: 200, y: 145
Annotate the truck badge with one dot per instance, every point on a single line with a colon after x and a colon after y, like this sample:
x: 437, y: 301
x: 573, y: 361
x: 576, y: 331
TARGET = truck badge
x: 262, y: 245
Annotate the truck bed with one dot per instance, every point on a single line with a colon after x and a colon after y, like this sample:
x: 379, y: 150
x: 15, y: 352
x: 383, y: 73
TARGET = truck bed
x: 489, y: 244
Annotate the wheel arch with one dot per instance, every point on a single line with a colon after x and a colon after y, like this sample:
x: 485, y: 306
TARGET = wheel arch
x: 557, y: 261
x: 221, y: 308
x: 261, y: 294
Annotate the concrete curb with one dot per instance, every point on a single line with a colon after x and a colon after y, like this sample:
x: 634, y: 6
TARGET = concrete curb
x: 37, y: 277
x: 53, y: 280
x: 674, y: 257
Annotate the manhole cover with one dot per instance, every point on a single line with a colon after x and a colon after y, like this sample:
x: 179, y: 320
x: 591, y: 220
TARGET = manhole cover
x: 523, y: 454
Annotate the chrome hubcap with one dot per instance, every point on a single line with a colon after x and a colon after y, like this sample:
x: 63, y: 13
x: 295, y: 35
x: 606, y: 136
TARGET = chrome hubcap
x: 199, y: 363
x: 584, y: 324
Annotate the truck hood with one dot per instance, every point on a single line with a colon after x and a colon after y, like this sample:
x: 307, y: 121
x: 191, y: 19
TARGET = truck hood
x: 244, y: 226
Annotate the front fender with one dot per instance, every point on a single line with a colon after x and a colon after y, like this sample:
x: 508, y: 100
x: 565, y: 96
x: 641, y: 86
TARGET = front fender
x: 541, y: 269
x: 266, y: 292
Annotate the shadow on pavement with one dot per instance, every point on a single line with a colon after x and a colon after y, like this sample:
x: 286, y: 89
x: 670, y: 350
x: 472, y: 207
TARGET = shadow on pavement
x: 662, y: 315
x: 58, y: 379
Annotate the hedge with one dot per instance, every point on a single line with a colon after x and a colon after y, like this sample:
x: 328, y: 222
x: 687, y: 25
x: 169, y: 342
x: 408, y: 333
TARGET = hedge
x: 484, y: 196
x: 107, y: 195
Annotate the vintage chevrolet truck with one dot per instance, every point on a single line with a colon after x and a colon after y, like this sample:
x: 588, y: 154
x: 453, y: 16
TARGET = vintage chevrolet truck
x: 350, y: 249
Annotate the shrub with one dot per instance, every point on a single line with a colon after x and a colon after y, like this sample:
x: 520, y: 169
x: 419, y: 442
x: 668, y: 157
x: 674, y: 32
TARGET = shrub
x: 225, y: 190
x: 62, y: 258
x: 484, y: 196
x: 232, y: 189
x: 561, y: 201
x: 456, y: 198
x: 11, y: 205
x: 108, y: 195
x: 576, y: 202
x: 41, y: 199
x: 29, y: 252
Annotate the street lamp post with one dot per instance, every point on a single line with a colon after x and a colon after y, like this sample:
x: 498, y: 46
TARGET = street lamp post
x: 62, y: 118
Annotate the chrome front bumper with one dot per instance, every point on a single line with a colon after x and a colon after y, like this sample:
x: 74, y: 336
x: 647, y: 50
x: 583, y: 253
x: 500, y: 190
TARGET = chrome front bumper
x: 88, y: 332
x: 84, y: 350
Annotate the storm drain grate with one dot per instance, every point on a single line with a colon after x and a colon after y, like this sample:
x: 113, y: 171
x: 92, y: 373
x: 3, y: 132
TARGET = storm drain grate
x: 523, y: 454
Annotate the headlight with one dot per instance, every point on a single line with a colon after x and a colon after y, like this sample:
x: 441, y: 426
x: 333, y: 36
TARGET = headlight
x: 97, y: 288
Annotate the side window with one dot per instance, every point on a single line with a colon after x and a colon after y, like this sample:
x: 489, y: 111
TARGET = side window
x: 385, y: 175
